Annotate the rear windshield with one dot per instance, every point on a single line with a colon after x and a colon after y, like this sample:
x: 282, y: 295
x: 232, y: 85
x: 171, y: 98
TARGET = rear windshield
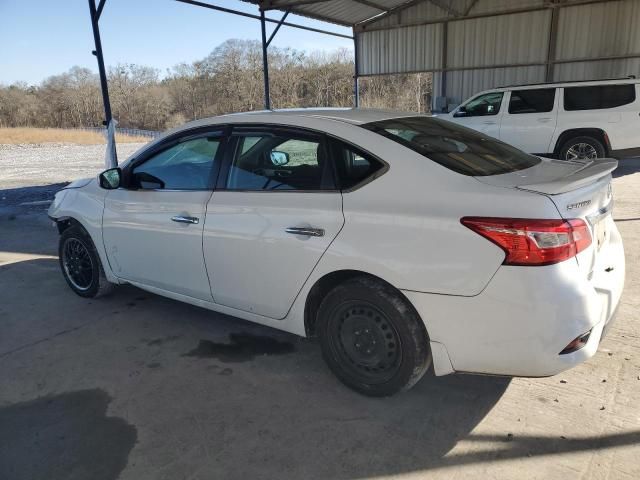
x: 457, y: 148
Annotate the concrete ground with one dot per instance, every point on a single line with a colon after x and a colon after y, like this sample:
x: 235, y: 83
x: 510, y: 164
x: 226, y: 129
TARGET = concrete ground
x: 136, y: 386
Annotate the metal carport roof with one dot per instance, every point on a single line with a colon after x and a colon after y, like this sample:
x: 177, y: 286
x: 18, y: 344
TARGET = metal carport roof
x: 468, y: 45
x: 341, y: 12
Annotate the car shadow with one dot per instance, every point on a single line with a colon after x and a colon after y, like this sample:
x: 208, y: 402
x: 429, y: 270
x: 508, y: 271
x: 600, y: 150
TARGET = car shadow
x: 271, y: 388
x: 207, y: 394
x: 626, y: 166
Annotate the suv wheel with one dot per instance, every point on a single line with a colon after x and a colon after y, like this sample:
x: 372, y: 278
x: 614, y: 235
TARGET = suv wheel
x: 371, y: 338
x: 582, y: 148
x: 80, y: 264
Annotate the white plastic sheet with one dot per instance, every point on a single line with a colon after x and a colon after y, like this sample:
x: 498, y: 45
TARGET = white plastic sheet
x: 111, y: 158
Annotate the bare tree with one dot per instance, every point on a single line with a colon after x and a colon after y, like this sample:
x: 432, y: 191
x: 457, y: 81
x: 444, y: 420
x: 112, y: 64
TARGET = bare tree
x: 229, y: 79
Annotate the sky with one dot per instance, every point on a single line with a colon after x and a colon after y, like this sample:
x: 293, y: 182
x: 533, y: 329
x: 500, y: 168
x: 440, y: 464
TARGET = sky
x: 39, y: 38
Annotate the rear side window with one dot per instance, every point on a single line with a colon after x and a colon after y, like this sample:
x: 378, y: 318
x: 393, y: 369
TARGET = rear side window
x: 455, y: 147
x: 598, y: 97
x: 532, y: 101
x: 353, y: 166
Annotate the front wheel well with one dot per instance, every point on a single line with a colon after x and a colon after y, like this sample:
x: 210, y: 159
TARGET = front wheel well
x: 325, y: 284
x: 596, y: 133
x: 64, y: 223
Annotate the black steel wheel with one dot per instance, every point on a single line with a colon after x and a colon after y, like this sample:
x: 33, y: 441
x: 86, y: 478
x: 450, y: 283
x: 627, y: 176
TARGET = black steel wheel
x: 365, y: 341
x: 80, y: 263
x: 372, y: 338
x: 77, y: 264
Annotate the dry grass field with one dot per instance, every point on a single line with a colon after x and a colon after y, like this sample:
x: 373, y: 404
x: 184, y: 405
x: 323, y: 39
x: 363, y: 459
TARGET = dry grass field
x: 29, y: 135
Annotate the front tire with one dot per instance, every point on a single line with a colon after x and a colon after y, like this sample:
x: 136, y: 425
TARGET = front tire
x: 582, y: 148
x: 80, y: 264
x: 372, y: 338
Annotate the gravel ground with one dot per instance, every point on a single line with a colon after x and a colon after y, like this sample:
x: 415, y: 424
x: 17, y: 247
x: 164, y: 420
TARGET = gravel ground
x: 46, y: 164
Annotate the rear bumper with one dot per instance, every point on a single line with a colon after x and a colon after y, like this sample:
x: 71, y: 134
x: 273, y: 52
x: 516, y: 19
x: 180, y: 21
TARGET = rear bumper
x: 525, y: 317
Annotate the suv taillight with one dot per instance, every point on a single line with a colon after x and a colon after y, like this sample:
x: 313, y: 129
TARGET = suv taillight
x: 533, y: 242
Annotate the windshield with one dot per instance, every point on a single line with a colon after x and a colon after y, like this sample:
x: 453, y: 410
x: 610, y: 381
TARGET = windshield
x: 457, y: 148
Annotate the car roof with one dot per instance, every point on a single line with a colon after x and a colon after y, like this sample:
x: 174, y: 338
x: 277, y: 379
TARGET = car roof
x: 580, y: 83
x: 353, y: 116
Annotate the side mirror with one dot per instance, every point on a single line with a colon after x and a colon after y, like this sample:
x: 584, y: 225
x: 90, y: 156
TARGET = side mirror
x: 461, y: 112
x: 279, y: 158
x: 110, y: 179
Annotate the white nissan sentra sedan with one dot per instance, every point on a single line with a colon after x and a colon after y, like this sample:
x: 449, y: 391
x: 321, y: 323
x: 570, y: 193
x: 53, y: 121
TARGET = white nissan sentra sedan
x: 399, y: 240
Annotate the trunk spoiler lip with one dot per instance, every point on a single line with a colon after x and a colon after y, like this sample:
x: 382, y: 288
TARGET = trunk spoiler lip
x: 590, y: 172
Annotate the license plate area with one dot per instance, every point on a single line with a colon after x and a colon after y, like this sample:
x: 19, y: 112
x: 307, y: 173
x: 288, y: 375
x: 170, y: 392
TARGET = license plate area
x: 600, y: 232
x: 599, y: 222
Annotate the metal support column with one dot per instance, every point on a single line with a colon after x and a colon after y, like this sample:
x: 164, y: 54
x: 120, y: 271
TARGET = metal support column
x: 95, y: 18
x: 356, y: 59
x: 445, y: 64
x: 265, y: 62
x: 553, y: 39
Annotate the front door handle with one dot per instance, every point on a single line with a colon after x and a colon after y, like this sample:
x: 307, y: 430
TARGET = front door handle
x: 306, y: 231
x: 184, y: 219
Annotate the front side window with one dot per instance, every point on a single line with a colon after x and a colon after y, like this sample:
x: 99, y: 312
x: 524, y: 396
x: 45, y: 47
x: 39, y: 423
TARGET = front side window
x: 537, y: 100
x: 187, y: 165
x: 455, y: 147
x: 598, y: 97
x: 276, y: 161
x: 483, y: 105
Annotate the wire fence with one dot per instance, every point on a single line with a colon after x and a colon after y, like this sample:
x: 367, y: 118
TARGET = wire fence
x: 132, y: 132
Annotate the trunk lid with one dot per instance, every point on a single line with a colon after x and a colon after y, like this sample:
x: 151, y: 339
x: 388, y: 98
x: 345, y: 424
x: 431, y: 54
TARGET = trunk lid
x: 578, y: 189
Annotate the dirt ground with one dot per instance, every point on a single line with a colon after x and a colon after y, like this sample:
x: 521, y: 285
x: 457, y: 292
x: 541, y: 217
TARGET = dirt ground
x: 136, y: 386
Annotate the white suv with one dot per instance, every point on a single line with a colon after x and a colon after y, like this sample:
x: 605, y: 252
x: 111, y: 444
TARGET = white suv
x: 575, y: 120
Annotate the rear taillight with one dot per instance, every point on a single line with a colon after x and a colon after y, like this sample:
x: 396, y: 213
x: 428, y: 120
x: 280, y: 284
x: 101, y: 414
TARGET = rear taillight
x: 533, y: 242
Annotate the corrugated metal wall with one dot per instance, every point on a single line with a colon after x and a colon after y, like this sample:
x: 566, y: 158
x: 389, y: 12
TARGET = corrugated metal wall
x: 594, y: 31
x: 407, y: 49
x: 505, y: 43
x: 507, y: 39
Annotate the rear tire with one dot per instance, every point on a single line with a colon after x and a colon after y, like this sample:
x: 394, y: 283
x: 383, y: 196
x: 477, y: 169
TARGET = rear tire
x: 582, y: 148
x: 80, y: 264
x: 372, y: 338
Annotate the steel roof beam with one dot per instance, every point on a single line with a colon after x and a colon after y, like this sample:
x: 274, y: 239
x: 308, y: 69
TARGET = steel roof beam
x: 446, y: 7
x: 369, y: 25
x: 392, y: 11
x: 372, y: 5
x: 275, y: 4
x: 99, y: 9
x: 257, y: 17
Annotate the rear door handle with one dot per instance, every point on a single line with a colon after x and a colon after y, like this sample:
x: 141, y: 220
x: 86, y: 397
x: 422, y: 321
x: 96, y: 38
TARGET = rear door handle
x: 306, y: 231
x: 489, y: 122
x: 184, y: 219
x: 545, y: 120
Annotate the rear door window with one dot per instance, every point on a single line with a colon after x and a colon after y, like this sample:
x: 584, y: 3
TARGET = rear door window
x: 598, y: 97
x: 277, y: 160
x: 537, y: 100
x: 454, y: 147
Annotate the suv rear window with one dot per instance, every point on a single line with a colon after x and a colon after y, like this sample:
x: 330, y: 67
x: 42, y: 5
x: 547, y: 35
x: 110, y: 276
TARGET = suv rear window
x: 597, y: 97
x: 457, y: 148
x: 532, y: 101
